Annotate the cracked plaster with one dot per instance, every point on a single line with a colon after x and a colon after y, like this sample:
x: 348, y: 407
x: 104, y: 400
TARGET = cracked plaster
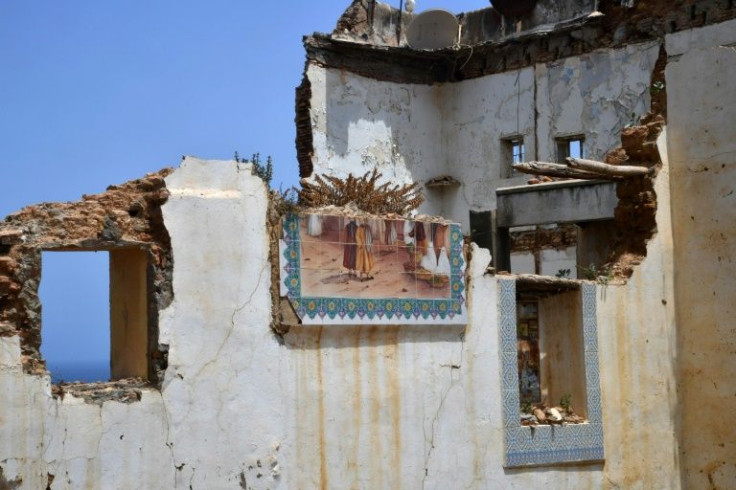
x: 384, y: 407
x: 417, y: 132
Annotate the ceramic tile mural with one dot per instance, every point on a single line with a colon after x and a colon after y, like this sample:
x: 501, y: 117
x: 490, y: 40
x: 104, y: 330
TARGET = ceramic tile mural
x: 548, y: 444
x: 344, y: 270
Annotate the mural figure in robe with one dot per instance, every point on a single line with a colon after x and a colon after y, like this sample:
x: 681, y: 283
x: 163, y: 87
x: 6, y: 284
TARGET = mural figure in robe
x: 419, y: 237
x: 378, y: 229
x: 439, y: 234
x: 314, y: 225
x: 350, y: 248
x: 364, y: 258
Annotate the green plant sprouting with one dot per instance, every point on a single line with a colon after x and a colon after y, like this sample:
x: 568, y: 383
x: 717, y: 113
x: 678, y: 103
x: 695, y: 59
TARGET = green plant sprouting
x: 264, y: 171
x: 602, y: 275
x: 565, y: 401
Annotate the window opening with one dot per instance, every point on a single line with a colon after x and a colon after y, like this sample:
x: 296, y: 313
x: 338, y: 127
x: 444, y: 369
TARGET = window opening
x: 480, y: 229
x: 95, y: 314
x: 513, y: 151
x: 566, y: 425
x: 570, y: 147
x: 75, y: 295
x: 550, y: 357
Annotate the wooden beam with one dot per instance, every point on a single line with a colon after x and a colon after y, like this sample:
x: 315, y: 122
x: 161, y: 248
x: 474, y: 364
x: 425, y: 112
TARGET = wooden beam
x: 605, y: 169
x: 558, y: 170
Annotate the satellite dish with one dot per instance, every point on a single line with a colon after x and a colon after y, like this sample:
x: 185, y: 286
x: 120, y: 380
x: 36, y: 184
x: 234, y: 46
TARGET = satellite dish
x: 433, y: 29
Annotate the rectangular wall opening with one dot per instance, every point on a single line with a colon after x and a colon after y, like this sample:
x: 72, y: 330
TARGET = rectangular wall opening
x: 75, y: 336
x: 481, y: 230
x: 512, y: 151
x: 548, y: 341
x: 570, y: 146
x: 551, y: 358
x: 95, y: 314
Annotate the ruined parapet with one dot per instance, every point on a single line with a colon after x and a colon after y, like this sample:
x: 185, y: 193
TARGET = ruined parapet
x: 124, y: 218
x: 490, y: 43
x: 372, y: 22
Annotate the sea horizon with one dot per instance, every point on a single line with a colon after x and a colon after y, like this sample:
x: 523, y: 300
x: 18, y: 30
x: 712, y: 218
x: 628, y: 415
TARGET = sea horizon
x: 82, y: 371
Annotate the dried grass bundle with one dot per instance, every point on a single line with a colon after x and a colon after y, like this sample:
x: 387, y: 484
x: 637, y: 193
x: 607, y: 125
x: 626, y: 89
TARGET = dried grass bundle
x: 363, y: 192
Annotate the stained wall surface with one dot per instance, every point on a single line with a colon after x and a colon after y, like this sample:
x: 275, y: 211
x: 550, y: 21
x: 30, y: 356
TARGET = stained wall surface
x: 327, y: 406
x: 702, y: 144
x: 637, y: 354
x: 417, y: 132
x: 406, y: 406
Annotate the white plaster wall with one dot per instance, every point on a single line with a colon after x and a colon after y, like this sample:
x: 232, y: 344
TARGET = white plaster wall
x: 595, y: 94
x: 415, y: 132
x: 552, y: 261
x: 478, y: 113
x: 359, y: 124
x: 408, y: 406
x: 219, y: 419
x: 83, y: 445
x: 701, y: 102
x: 523, y: 263
x: 333, y: 407
x: 222, y: 389
x: 637, y: 355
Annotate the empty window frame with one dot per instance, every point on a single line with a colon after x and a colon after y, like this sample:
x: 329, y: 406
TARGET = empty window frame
x: 512, y: 151
x: 125, y: 301
x: 570, y: 146
x: 550, y: 339
x: 76, y: 315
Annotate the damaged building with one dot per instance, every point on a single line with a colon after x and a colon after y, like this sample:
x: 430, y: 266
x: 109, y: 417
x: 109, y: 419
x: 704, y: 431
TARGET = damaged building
x: 559, y: 313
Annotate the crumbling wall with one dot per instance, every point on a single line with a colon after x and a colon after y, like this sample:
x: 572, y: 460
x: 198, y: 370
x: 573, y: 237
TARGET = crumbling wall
x: 124, y: 216
x: 216, y: 420
x: 337, y: 406
x: 413, y: 133
x: 636, y: 342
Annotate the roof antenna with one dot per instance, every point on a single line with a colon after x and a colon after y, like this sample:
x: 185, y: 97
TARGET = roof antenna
x: 401, y: 18
x: 373, y: 14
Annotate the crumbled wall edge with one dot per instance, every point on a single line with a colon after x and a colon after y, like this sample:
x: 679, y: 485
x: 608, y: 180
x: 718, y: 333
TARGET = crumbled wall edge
x: 617, y: 27
x: 124, y: 216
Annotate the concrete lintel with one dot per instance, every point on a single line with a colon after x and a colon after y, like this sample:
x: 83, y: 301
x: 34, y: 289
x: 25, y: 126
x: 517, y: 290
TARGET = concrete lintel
x: 570, y: 201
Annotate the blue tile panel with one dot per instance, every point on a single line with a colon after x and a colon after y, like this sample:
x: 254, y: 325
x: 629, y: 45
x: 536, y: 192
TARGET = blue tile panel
x: 316, y: 309
x: 546, y: 444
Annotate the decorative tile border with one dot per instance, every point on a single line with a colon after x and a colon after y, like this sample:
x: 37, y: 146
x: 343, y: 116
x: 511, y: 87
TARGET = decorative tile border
x: 546, y: 444
x: 318, y: 309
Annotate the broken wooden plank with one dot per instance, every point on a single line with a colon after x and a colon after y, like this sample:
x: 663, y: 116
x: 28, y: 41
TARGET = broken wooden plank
x: 557, y: 170
x: 605, y: 169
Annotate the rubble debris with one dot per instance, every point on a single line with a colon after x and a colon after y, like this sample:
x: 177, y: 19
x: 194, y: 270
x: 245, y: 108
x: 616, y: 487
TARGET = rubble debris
x: 122, y: 390
x: 540, y: 414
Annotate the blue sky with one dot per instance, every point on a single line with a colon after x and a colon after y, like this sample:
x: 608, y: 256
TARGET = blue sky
x: 94, y: 93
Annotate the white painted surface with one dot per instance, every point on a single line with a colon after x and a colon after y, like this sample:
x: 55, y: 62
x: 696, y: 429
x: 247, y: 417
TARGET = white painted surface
x: 522, y: 263
x: 356, y: 406
x: 636, y: 333
x: 553, y: 261
x: 701, y: 100
x: 416, y: 132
